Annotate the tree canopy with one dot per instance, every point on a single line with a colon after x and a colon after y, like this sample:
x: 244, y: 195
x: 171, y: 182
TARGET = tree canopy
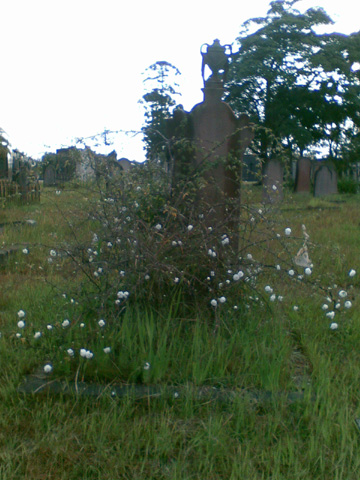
x: 159, y: 101
x: 301, y: 87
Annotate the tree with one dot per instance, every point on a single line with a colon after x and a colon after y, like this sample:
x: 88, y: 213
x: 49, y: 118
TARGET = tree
x: 300, y: 87
x: 159, y: 103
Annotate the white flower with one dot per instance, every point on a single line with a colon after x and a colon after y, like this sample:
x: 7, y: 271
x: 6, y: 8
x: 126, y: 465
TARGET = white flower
x: 213, y: 303
x: 342, y: 294
x: 288, y: 231
x: 37, y: 334
x: 25, y: 251
x: 48, y: 368
x: 82, y: 325
x: 70, y: 352
x: 268, y: 289
x: 273, y: 297
x: 295, y: 308
x: 158, y: 227
x: 225, y: 241
x: 249, y: 256
x: 21, y: 314
x: 86, y: 353
x: 334, y: 326
x: 274, y: 187
x: 236, y: 277
x: 147, y: 277
x: 331, y: 315
x: 18, y: 335
x: 21, y: 324
x: 176, y: 395
x: 65, y: 323
x: 107, y: 349
x: 109, y: 244
x: 176, y: 280
x: 222, y: 299
x: 52, y: 253
x: 308, y: 271
x: 325, y: 306
x: 280, y: 298
x: 347, y: 304
x: 291, y: 273
x: 277, y: 267
x: 352, y: 273
x: 147, y: 366
x: 122, y: 273
x: 58, y: 192
x: 174, y: 243
x: 49, y: 327
x: 190, y: 227
x: 101, y: 323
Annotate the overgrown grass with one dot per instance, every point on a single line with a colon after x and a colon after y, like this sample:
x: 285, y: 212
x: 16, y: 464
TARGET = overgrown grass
x: 271, y: 347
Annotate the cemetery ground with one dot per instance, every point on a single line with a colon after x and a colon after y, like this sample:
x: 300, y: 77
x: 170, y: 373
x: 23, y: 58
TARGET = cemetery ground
x: 282, y: 346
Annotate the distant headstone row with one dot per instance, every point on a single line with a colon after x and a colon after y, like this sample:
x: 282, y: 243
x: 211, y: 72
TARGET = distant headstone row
x: 322, y: 173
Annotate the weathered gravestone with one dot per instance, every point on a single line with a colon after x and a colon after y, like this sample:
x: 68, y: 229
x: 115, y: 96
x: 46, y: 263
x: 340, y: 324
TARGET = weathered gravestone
x: 23, y: 181
x: 220, y: 139
x: 50, y: 176
x: 303, y: 176
x: 325, y: 180
x: 273, y: 179
x: 3, y: 162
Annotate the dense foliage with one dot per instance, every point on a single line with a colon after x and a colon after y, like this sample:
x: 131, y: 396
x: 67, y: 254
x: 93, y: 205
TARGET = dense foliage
x: 299, y: 86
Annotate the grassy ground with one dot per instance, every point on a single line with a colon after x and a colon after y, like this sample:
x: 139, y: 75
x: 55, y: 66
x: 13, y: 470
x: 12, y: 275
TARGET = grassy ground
x: 276, y: 348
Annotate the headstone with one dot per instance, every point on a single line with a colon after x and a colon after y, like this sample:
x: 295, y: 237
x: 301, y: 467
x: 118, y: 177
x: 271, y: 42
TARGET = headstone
x: 49, y: 176
x: 3, y: 162
x: 23, y: 181
x: 250, y: 169
x: 273, y: 179
x: 220, y: 140
x: 303, y: 176
x: 325, y: 180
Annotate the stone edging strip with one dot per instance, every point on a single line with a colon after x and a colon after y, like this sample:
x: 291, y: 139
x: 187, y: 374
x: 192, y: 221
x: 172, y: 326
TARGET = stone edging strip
x: 36, y: 384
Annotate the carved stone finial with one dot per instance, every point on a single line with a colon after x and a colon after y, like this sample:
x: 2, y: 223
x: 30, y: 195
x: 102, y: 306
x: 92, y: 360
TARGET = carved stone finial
x: 216, y: 57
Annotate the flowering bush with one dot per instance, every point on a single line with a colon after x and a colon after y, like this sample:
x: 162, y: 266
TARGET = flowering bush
x: 145, y: 245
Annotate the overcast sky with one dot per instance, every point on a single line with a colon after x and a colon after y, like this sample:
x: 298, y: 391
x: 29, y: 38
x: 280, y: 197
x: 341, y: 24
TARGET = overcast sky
x: 72, y: 68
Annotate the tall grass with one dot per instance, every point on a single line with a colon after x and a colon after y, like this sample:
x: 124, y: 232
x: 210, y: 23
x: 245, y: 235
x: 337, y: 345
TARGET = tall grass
x: 271, y: 347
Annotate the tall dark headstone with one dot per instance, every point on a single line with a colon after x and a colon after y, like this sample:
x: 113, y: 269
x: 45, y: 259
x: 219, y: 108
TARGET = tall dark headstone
x: 303, y: 176
x: 273, y: 179
x: 50, y: 176
x: 220, y: 140
x: 325, y: 180
x: 4, y: 168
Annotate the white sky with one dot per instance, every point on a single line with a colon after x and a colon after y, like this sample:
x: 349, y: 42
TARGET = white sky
x: 71, y: 68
